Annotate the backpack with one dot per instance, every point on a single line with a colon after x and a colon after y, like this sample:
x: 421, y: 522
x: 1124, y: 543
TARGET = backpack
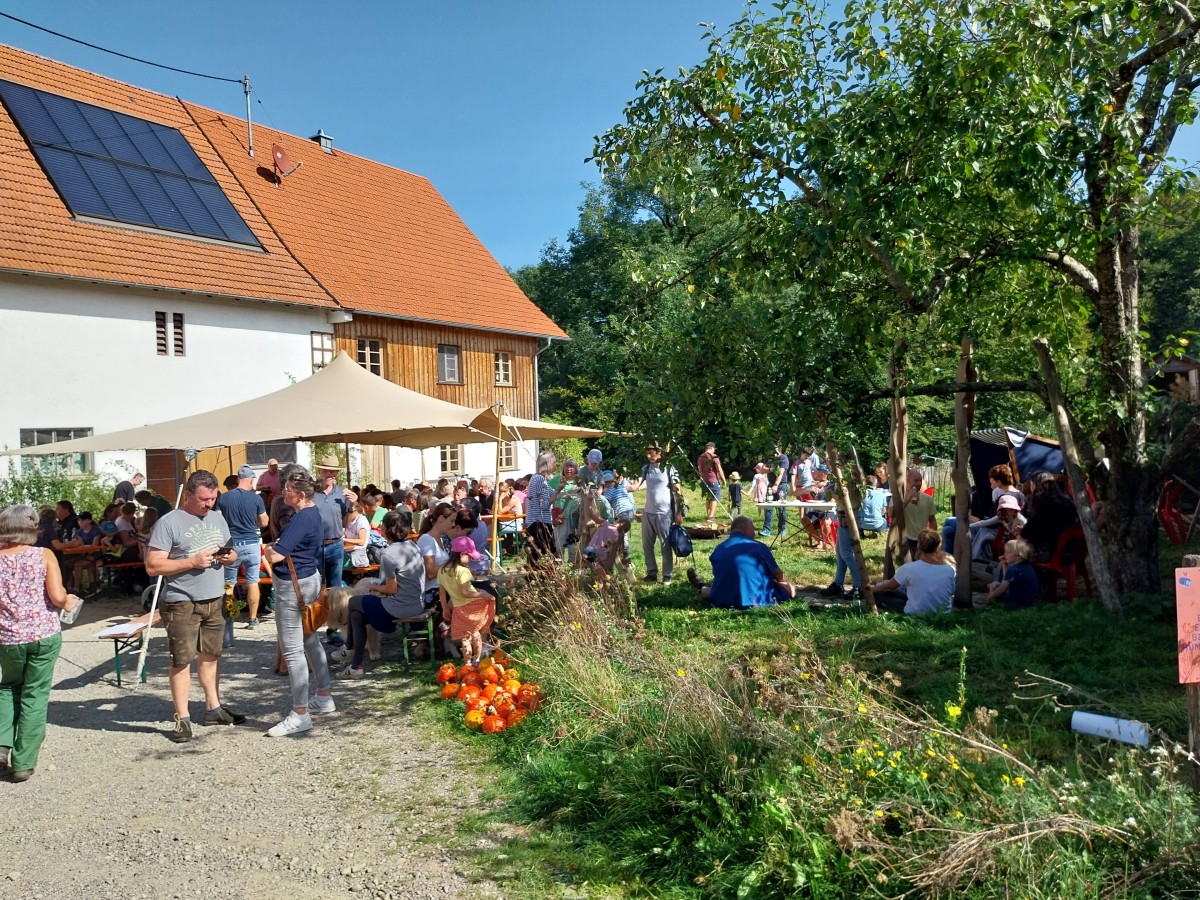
x: 375, y: 547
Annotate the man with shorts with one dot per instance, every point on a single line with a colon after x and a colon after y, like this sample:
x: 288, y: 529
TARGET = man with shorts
x: 186, y: 550
x: 246, y: 516
x: 712, y: 476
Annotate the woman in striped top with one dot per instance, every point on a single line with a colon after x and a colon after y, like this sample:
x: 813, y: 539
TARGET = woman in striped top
x: 539, y: 501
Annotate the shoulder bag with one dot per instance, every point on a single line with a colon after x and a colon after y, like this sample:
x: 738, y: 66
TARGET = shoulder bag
x: 313, y: 615
x: 677, y: 537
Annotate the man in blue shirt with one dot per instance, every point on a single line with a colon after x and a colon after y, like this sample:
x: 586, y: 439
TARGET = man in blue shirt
x: 782, y: 483
x: 745, y: 573
x: 246, y: 516
x: 332, y: 503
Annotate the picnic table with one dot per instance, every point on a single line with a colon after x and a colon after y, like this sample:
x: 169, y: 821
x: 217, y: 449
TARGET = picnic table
x: 504, y: 517
x: 128, y: 636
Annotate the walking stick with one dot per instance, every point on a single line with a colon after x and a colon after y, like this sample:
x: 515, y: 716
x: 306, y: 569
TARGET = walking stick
x: 141, y: 666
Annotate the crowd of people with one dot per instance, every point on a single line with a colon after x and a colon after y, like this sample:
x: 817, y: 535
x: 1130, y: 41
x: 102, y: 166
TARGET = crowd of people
x: 426, y: 550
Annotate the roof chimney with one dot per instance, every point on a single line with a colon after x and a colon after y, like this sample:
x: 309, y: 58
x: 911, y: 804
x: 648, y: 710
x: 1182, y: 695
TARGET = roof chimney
x: 325, y: 140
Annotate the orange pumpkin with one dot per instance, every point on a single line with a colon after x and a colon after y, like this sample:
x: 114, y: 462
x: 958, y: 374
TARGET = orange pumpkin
x: 465, y: 669
x: 516, y: 717
x: 494, y: 724
x: 531, y: 702
x: 492, y: 674
x: 468, y: 692
x: 512, y: 686
x: 450, y: 690
x: 527, y: 691
x: 480, y: 703
x: 474, y: 719
x: 504, y: 705
x: 471, y: 678
x: 489, y: 690
x: 446, y: 673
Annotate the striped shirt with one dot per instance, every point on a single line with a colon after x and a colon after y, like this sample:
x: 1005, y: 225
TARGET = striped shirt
x: 537, y: 500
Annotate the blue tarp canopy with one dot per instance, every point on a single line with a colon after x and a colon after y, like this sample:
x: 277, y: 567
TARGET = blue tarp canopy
x: 1026, y: 454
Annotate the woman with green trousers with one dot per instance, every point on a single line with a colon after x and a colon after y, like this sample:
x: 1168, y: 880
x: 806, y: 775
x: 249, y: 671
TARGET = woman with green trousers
x: 31, y: 596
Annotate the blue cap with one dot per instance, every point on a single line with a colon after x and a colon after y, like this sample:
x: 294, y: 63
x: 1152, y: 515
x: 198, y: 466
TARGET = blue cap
x: 245, y: 472
x: 608, y: 475
x: 594, y: 456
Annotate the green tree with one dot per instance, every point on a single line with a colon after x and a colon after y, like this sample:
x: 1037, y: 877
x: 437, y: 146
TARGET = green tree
x: 932, y: 144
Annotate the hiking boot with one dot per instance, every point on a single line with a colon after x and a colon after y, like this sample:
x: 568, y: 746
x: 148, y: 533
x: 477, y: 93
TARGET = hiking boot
x: 694, y: 579
x: 650, y: 579
x: 223, y: 716
x: 22, y: 776
x: 295, y: 723
x: 833, y: 590
x: 183, y: 730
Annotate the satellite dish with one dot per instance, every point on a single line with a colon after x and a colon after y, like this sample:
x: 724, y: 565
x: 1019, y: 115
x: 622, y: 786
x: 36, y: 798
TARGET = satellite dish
x: 283, y: 163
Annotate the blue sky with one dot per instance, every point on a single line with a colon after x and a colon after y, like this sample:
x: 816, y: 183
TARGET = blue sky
x: 496, y: 103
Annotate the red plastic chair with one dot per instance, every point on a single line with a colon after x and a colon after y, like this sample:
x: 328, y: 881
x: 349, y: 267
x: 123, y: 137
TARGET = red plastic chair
x: 1169, y: 513
x: 1070, y: 546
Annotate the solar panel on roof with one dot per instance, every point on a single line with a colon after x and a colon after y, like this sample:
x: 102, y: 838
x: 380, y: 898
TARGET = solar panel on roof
x: 109, y: 165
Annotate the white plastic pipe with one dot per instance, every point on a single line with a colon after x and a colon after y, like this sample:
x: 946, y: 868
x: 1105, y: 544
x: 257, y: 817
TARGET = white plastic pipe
x: 1125, y: 730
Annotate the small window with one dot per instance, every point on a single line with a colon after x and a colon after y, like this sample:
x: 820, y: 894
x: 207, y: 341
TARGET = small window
x: 63, y: 464
x: 177, y: 325
x: 504, y: 368
x: 322, y: 349
x: 449, y: 368
x: 160, y: 334
x: 451, y: 456
x: 370, y: 355
x: 508, y: 455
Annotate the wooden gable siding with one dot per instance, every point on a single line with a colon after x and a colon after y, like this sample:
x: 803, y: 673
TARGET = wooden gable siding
x: 410, y: 359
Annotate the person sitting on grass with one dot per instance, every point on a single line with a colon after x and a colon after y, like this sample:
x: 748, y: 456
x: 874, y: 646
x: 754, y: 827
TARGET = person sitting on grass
x: 924, y: 585
x: 1017, y: 581
x: 745, y: 573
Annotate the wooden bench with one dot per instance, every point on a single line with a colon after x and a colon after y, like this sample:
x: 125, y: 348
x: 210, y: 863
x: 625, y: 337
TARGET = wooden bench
x: 128, y: 636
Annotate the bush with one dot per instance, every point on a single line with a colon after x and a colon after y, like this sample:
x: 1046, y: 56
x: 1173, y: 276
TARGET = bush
x: 755, y: 771
x: 37, y: 488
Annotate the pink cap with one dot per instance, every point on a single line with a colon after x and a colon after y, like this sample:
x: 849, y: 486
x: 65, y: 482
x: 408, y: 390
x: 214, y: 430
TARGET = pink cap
x: 1008, y: 501
x: 465, y: 545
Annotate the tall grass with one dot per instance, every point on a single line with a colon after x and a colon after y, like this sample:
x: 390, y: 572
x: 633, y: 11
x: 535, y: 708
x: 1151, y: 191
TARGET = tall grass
x: 759, y: 768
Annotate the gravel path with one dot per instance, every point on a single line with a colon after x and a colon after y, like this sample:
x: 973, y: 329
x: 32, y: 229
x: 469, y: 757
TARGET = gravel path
x: 355, y: 807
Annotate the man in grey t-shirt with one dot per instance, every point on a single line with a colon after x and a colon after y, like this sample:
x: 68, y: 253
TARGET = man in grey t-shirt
x: 661, y: 482
x: 188, y: 548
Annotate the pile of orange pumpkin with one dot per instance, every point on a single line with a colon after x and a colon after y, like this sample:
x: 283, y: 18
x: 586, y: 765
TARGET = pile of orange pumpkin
x: 492, y: 692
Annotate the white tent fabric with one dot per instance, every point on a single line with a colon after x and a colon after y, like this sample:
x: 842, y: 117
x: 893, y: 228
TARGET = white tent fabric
x: 343, y: 402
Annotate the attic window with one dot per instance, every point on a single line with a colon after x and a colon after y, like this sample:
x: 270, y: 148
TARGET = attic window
x: 111, y: 166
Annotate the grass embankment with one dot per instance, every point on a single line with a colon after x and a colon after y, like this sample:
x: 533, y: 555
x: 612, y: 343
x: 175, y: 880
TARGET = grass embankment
x: 694, y: 752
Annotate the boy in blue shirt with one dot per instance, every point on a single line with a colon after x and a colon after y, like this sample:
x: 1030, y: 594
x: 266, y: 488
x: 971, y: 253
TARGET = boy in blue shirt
x: 623, y: 507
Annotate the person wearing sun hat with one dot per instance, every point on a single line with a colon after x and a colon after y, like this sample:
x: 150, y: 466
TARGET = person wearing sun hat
x: 661, y: 481
x: 332, y: 503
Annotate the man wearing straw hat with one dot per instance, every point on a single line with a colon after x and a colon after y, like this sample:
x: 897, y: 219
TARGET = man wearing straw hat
x: 661, y: 482
x: 332, y: 503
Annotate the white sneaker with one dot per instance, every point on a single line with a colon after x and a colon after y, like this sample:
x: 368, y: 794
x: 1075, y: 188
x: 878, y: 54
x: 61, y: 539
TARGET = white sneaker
x: 351, y: 672
x: 319, y: 704
x: 341, y: 653
x: 293, y: 724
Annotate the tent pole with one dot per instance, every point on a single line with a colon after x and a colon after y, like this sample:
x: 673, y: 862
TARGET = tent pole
x: 349, y: 479
x: 496, y: 490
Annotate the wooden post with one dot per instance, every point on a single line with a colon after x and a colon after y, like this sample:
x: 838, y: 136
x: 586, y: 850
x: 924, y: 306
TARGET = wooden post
x: 897, y: 462
x: 349, y: 477
x: 964, y: 417
x: 846, y: 517
x: 496, y: 490
x: 1101, y: 573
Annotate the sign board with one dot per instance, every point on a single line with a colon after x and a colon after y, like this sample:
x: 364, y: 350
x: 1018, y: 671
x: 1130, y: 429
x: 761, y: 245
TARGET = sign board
x: 1187, y: 607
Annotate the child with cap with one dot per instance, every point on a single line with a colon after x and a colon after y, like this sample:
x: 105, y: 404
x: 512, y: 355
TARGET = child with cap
x: 468, y: 610
x: 592, y: 473
x: 623, y: 507
x: 735, y: 494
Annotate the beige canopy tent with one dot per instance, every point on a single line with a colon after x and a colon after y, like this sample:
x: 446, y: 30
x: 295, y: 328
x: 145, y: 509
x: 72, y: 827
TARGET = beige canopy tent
x: 342, y: 402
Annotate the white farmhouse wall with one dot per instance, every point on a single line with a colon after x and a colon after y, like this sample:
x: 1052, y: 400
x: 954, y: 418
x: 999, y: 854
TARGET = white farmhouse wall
x: 74, y: 354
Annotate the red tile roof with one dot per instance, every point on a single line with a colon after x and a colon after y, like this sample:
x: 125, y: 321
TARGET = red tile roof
x: 339, y: 231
